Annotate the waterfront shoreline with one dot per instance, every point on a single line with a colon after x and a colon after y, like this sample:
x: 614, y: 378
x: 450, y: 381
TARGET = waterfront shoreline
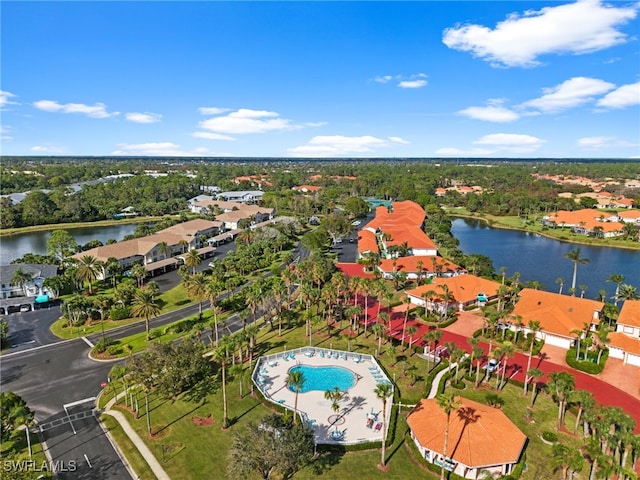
x: 9, y: 232
x: 495, y: 224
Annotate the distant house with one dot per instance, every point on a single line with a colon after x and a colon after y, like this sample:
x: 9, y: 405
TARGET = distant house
x: 624, y: 343
x: 560, y: 316
x: 306, y: 188
x: 480, y: 438
x: 586, y: 222
x: 244, y: 196
x: 463, y: 290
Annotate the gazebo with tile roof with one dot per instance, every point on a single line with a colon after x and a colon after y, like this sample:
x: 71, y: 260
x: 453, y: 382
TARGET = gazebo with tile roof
x: 480, y: 437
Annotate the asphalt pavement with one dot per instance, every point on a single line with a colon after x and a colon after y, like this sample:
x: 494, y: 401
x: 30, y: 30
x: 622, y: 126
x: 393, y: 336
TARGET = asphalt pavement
x: 50, y: 373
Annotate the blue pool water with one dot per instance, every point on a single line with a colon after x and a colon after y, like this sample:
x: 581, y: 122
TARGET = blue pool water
x: 325, y: 378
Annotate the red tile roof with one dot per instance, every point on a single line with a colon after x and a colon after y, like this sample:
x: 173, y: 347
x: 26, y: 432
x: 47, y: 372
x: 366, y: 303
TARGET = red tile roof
x: 367, y: 242
x: 630, y: 313
x: 557, y: 314
x: 464, y: 288
x: 479, y: 435
x: 625, y: 342
x: 410, y: 264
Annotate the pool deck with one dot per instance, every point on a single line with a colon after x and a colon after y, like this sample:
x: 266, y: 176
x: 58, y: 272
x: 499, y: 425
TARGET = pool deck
x: 359, y: 404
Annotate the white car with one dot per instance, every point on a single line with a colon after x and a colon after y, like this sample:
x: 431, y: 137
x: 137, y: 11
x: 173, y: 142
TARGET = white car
x: 492, y: 365
x: 355, y: 223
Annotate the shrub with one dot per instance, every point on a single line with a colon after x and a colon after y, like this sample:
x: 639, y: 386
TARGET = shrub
x: 119, y: 313
x: 114, y: 350
x: 459, y: 385
x: 549, y: 436
x: 103, y: 344
x: 589, y: 365
x: 494, y: 400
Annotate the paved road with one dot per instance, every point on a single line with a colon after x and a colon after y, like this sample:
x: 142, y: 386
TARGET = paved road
x: 49, y: 373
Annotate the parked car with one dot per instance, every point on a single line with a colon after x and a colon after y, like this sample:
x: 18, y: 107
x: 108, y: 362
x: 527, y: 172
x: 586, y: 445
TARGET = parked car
x: 492, y: 365
x: 25, y: 308
x: 355, y: 223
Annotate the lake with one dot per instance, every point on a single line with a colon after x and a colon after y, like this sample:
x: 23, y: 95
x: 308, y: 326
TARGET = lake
x: 541, y: 259
x: 16, y: 246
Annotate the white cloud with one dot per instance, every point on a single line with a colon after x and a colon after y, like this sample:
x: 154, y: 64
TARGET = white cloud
x: 46, y: 149
x: 622, y: 97
x: 99, y: 110
x: 596, y: 143
x: 245, y: 121
x: 4, y: 133
x: 412, y: 84
x: 490, y: 113
x: 5, y: 98
x: 143, y: 117
x: 458, y: 152
x: 159, y: 149
x: 570, y: 93
x: 211, y: 136
x: 574, y: 28
x: 511, y: 142
x: 212, y: 110
x: 416, y: 80
x: 383, y: 79
x: 340, y: 145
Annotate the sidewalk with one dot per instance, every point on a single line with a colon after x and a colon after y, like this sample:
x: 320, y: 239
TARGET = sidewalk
x: 149, y: 457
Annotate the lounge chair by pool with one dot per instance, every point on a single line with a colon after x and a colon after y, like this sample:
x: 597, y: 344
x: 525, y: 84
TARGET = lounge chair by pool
x: 378, y: 426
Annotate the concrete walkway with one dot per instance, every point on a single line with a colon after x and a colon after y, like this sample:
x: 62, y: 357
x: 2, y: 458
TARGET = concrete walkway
x: 149, y: 457
x: 436, y: 380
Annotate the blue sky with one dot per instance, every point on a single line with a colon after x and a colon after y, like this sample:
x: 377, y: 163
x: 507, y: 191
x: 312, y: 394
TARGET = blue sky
x: 315, y: 79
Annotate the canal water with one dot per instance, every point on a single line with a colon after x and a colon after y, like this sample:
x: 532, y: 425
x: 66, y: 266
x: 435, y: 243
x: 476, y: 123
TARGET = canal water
x: 16, y: 246
x: 541, y: 259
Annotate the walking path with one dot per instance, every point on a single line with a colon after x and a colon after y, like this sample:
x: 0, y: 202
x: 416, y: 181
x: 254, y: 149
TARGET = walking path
x: 147, y: 454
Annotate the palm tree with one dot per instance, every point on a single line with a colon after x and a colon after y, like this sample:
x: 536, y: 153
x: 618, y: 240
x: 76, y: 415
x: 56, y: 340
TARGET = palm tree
x: 335, y: 396
x: 383, y: 391
x: 144, y: 305
x: 534, y: 327
x: 447, y: 402
x: 618, y: 280
x: 164, y: 249
x: 627, y: 292
x: 88, y: 269
x: 220, y: 355
x: 138, y: 272
x: 196, y: 287
x: 585, y: 401
x: 212, y: 291
x: 574, y: 256
x: 192, y: 260
x: 378, y: 330
x: 507, y: 350
x: 21, y: 278
x: 561, y: 384
x: 534, y: 374
x: 560, y: 281
x: 407, y: 301
x: 295, y: 382
x: 411, y: 330
x: 114, y: 269
x: 23, y: 415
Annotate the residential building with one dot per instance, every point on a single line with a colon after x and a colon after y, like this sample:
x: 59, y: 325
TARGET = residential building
x: 561, y: 317
x: 32, y: 288
x: 624, y: 343
x: 587, y: 222
x: 243, y: 196
x: 480, y: 438
x: 463, y: 291
x: 415, y: 267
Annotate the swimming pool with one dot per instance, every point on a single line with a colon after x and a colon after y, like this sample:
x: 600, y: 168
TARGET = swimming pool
x: 325, y: 378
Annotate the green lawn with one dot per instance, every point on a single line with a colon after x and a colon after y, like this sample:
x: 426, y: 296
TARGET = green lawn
x: 180, y: 444
x: 128, y: 449
x: 170, y: 300
x: 16, y: 449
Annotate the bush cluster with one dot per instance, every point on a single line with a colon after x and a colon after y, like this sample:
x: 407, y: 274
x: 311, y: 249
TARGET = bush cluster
x: 588, y: 366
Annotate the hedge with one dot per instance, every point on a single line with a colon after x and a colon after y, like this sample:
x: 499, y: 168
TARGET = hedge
x: 587, y: 366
